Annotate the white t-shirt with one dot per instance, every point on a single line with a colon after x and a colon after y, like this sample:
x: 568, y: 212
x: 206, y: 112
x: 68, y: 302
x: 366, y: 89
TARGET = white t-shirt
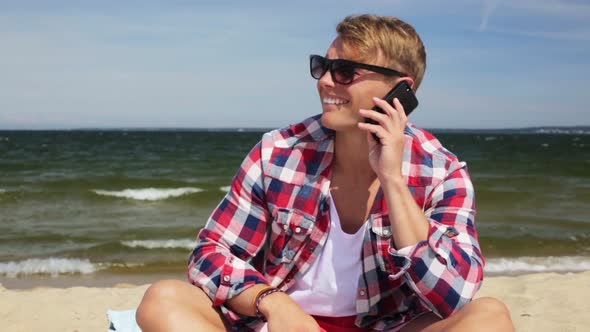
x: 329, y: 287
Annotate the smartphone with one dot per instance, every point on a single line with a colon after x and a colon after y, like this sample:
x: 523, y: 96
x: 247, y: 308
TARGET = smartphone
x: 404, y: 93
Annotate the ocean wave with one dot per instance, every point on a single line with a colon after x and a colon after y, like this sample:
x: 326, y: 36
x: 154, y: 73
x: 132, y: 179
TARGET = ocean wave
x: 159, y: 244
x: 225, y: 189
x: 2, y: 191
x: 50, y: 266
x: 538, y: 264
x: 149, y: 194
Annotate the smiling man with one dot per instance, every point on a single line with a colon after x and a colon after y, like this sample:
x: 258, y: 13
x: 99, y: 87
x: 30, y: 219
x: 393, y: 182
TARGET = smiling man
x: 336, y: 224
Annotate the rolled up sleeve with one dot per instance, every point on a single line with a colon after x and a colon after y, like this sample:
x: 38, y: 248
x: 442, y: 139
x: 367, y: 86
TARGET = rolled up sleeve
x: 220, y: 264
x: 446, y: 270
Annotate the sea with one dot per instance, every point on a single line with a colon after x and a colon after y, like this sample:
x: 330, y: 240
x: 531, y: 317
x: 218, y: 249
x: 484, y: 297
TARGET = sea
x: 98, y: 207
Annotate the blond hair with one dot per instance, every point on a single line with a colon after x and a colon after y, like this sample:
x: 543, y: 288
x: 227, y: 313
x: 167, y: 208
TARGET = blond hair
x: 370, y: 35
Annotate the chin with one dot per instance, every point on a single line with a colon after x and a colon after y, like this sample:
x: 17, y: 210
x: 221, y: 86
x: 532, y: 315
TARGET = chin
x: 338, y: 121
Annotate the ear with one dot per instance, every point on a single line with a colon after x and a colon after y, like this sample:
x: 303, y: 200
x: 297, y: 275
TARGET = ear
x: 410, y: 82
x: 407, y: 79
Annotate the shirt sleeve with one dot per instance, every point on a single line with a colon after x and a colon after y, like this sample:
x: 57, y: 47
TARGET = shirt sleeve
x: 446, y: 270
x: 221, y: 264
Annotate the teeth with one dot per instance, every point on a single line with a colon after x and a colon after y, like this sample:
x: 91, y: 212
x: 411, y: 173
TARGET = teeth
x: 335, y: 101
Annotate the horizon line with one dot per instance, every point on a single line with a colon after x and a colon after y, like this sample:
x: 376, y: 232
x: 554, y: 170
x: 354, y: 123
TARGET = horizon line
x: 251, y: 129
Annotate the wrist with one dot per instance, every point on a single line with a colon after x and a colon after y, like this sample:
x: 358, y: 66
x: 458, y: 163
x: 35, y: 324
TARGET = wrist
x: 393, y: 183
x: 267, y: 302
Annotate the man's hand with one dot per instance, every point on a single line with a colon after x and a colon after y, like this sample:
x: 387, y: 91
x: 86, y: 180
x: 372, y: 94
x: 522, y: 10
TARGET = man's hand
x: 386, y: 158
x: 284, y: 314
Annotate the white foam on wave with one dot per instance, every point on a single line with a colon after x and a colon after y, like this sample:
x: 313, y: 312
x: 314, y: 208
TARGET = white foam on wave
x: 2, y: 191
x: 149, y: 194
x: 225, y: 189
x: 159, y: 244
x: 538, y: 264
x: 51, y: 266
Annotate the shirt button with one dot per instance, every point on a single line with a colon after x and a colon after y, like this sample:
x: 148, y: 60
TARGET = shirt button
x: 226, y: 278
x: 386, y: 232
x: 298, y: 230
x: 362, y: 292
x: 290, y: 254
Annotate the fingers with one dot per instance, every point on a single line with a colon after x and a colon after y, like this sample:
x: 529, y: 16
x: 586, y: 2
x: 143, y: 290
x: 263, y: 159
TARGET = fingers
x: 391, y: 121
x: 380, y: 119
x: 400, y: 110
x: 396, y: 109
x: 392, y: 118
x: 374, y: 129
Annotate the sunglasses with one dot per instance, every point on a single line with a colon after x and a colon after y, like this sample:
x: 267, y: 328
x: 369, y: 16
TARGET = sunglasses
x: 343, y: 71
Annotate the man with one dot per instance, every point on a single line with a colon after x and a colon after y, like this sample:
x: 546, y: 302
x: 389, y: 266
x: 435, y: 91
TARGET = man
x: 327, y: 229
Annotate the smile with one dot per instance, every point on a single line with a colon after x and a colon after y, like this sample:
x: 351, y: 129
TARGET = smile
x: 334, y: 101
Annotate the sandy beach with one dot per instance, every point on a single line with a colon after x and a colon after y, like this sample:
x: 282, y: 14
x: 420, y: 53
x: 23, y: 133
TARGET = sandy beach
x: 538, y: 302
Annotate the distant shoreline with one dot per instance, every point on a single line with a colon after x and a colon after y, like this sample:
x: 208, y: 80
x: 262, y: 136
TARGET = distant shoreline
x: 557, y: 130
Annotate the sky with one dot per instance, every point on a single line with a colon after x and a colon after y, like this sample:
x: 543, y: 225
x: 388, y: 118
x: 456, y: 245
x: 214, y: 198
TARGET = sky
x: 220, y: 63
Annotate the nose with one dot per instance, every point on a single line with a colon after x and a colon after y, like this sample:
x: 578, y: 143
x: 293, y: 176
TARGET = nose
x: 326, y: 80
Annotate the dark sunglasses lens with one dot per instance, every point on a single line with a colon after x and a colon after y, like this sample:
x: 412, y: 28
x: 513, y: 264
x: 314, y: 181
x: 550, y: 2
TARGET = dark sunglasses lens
x: 343, y: 73
x: 317, y: 67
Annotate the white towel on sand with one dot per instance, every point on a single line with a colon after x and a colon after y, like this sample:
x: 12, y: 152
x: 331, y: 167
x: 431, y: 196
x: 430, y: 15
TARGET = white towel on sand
x: 122, y: 321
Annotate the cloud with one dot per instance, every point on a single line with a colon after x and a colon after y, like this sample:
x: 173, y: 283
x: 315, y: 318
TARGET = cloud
x: 566, y: 35
x: 548, y: 19
x: 488, y: 9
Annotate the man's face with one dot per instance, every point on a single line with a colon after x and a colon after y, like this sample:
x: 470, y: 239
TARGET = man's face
x: 341, y: 103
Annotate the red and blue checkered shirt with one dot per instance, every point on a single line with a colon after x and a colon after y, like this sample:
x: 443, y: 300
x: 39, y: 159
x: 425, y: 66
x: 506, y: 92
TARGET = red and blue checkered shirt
x: 274, y: 221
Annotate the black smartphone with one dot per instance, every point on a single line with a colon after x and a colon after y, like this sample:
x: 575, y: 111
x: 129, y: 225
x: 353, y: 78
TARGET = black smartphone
x: 404, y: 93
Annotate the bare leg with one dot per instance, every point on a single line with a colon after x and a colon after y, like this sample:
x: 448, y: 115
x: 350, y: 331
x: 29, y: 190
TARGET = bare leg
x: 173, y: 305
x: 483, y: 314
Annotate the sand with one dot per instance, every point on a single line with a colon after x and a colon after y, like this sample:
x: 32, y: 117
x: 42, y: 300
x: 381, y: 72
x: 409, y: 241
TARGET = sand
x: 538, y: 302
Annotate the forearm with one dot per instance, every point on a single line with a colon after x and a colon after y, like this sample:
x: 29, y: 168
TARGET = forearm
x: 243, y: 303
x: 409, y: 225
x: 450, y: 258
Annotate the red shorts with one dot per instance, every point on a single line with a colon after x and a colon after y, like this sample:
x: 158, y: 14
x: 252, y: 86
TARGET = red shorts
x: 332, y: 324
x: 338, y: 324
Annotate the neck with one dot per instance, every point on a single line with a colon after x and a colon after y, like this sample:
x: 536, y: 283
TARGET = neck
x: 351, y: 154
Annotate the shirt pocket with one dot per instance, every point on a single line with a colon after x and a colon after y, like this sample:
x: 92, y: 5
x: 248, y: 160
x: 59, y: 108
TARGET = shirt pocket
x: 290, y: 231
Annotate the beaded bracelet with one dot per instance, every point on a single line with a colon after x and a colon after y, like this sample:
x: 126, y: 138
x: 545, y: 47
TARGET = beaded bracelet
x: 262, y: 290
x: 262, y: 294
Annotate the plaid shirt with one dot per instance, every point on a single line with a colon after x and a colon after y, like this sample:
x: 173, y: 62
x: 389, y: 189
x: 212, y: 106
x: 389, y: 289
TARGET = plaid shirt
x: 273, y: 223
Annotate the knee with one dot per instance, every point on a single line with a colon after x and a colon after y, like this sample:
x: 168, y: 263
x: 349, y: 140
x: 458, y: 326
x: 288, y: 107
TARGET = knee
x: 492, y: 311
x: 492, y: 306
x: 163, y: 290
x: 157, y: 298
